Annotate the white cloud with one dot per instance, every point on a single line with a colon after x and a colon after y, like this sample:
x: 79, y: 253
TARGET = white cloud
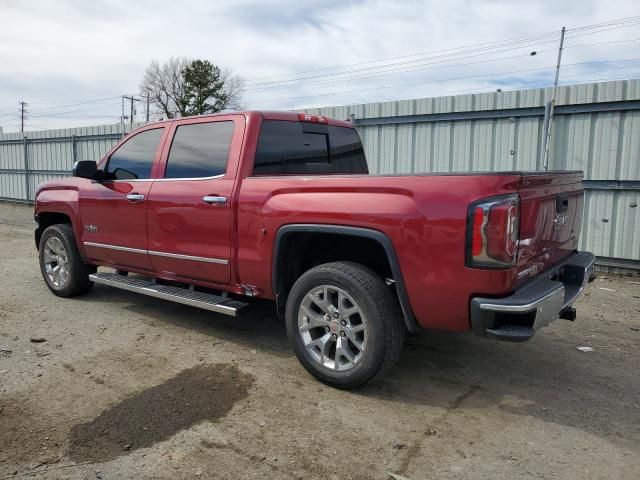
x: 75, y: 50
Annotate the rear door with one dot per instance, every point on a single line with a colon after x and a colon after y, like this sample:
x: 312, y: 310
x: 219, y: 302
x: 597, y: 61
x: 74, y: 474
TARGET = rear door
x: 551, y: 206
x: 114, y: 211
x: 190, y: 204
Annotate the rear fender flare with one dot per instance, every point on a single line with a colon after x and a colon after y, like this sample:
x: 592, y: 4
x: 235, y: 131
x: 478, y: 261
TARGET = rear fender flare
x: 380, y: 237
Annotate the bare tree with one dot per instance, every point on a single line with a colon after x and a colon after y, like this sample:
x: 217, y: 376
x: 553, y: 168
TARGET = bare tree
x: 234, y: 87
x: 166, y: 87
x: 165, y: 84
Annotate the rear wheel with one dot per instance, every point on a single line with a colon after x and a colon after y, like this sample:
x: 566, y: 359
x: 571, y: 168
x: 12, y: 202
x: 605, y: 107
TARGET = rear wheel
x: 61, y: 266
x: 344, y: 324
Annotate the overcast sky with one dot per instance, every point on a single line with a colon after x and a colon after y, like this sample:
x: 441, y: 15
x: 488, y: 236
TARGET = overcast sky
x: 294, y: 54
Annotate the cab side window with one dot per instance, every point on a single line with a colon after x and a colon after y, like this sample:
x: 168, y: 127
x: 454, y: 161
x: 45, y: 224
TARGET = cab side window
x: 200, y: 150
x: 134, y: 159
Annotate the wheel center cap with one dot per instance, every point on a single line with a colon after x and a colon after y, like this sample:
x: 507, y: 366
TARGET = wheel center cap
x: 334, y: 326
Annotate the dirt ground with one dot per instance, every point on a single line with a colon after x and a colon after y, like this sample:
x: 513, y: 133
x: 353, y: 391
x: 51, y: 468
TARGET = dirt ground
x: 126, y: 386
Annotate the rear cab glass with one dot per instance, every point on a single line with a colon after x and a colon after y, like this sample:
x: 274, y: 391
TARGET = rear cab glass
x: 300, y: 148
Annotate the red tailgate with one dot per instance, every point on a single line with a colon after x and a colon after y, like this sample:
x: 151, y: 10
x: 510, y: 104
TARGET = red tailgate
x: 550, y: 220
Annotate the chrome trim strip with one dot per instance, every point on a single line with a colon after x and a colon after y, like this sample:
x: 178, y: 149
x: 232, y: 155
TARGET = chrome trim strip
x: 220, y: 261
x: 114, y: 247
x: 192, y: 178
x: 523, y: 307
x: 166, y: 179
x: 189, y: 257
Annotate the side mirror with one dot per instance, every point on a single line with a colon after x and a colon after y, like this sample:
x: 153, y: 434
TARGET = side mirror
x: 85, y: 169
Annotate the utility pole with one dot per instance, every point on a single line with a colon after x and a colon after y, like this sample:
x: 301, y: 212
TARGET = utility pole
x: 23, y: 112
x: 551, y: 106
x: 132, y: 99
x: 147, y: 106
x: 122, y: 118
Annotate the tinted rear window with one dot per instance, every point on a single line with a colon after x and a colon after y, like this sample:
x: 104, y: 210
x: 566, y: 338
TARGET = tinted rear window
x: 199, y: 150
x: 297, y: 148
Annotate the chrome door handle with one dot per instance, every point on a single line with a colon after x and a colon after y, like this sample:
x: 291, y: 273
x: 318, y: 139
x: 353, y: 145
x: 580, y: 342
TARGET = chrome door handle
x: 211, y: 199
x: 135, y: 197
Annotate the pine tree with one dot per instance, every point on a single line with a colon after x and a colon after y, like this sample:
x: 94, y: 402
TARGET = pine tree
x: 204, y: 89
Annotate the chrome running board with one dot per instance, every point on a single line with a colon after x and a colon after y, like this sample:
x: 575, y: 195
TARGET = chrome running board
x: 206, y: 301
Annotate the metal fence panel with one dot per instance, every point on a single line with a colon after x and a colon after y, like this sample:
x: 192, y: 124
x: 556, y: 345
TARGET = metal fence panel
x: 596, y: 129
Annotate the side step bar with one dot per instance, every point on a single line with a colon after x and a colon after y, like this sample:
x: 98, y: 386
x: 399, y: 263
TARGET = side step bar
x: 206, y: 301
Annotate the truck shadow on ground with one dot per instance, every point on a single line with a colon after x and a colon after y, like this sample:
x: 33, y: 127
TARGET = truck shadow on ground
x: 546, y: 378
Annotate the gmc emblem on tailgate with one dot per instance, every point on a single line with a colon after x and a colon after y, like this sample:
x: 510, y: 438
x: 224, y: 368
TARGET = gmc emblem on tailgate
x: 559, y: 220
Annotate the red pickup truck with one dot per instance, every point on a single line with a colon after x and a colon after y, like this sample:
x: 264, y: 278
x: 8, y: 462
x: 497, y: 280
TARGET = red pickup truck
x: 208, y: 211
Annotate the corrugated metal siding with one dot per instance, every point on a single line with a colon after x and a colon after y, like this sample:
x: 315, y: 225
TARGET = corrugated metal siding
x: 605, y: 145
x: 50, y: 150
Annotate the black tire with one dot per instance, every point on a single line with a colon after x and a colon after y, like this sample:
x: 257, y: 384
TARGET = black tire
x: 385, y: 326
x: 77, y: 281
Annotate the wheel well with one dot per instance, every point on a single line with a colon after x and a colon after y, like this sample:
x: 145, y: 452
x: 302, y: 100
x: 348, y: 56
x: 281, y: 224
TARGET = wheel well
x: 305, y: 250
x: 299, y: 247
x: 301, y: 251
x: 46, y: 219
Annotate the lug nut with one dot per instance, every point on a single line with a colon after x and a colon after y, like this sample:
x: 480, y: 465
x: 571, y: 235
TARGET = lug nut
x: 327, y: 317
x: 334, y: 336
x: 342, y: 334
x: 343, y: 323
x: 336, y: 315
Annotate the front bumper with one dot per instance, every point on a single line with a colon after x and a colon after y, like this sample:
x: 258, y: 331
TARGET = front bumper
x: 548, y: 297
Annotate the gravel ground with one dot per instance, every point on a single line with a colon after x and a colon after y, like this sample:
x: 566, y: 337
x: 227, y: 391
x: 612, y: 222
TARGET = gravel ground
x: 125, y: 386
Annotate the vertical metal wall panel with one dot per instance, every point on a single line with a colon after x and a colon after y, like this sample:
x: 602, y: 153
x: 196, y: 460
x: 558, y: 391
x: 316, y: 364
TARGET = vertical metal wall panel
x: 423, y: 151
x: 387, y: 158
x: 629, y: 167
x: 626, y: 222
x: 597, y: 224
x: 483, y: 136
x: 461, y: 147
x: 528, y: 143
x: 12, y: 186
x: 405, y: 148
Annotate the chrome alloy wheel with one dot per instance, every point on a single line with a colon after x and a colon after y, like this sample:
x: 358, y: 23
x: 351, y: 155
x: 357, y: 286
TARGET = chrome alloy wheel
x: 332, y: 327
x: 56, y: 262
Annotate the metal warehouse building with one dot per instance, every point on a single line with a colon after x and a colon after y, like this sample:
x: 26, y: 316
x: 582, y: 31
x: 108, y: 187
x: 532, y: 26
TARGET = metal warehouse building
x: 596, y: 128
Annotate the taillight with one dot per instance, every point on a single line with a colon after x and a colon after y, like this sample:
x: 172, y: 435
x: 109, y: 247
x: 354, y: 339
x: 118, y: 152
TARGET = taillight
x: 492, y: 232
x: 306, y: 117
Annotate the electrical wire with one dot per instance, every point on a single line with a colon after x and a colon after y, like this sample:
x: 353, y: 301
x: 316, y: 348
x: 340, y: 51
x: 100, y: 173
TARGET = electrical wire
x: 443, y: 80
x: 522, y: 42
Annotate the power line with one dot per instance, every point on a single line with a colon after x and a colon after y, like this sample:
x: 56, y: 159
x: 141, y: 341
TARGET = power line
x: 72, y: 103
x: 448, y: 53
x: 406, y: 69
x: 446, y: 80
x: 452, y: 51
x: 494, y: 44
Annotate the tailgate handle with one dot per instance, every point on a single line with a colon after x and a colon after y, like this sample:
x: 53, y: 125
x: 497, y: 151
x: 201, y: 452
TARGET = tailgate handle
x: 562, y: 203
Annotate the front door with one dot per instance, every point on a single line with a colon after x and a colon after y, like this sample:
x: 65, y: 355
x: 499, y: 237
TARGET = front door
x: 190, y: 204
x: 114, y: 211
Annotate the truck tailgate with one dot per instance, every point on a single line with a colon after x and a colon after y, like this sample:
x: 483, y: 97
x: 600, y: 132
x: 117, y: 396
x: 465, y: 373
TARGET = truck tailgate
x: 551, y: 206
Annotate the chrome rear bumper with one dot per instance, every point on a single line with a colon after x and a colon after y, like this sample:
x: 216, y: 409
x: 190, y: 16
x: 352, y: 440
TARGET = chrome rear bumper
x: 546, y: 298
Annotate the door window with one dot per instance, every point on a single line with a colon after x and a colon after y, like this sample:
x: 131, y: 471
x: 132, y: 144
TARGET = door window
x: 134, y: 158
x: 199, y: 150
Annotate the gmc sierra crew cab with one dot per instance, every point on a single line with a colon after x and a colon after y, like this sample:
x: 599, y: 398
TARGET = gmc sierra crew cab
x: 209, y: 211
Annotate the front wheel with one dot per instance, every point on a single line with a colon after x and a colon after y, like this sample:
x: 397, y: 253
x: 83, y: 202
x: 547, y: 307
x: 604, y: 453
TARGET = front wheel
x: 344, y: 324
x: 61, y: 265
